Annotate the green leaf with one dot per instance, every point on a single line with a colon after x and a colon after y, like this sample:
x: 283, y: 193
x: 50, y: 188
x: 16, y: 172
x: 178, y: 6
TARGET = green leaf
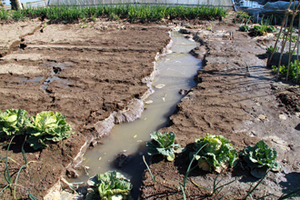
x: 14, y: 122
x: 260, y: 158
x: 110, y: 185
x: 48, y: 126
x: 163, y: 144
x: 218, y: 152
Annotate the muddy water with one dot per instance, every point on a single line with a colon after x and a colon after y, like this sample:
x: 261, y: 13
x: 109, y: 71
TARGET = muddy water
x: 176, y: 71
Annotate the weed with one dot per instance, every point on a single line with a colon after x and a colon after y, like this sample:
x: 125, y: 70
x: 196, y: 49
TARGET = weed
x: 293, y: 71
x: 270, y: 49
x: 4, y: 14
x: 289, y: 195
x: 242, y: 17
x: 153, y: 177
x: 244, y: 28
x: 190, y: 165
x: 251, y: 189
x: 217, y: 189
x: 7, y: 175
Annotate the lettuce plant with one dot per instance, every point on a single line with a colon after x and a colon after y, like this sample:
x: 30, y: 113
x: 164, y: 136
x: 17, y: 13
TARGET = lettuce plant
x: 48, y: 126
x: 260, y: 158
x: 163, y: 144
x: 217, y: 153
x: 111, y: 185
x: 14, y: 122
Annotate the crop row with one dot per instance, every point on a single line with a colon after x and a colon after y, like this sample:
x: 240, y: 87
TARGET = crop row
x: 119, y: 11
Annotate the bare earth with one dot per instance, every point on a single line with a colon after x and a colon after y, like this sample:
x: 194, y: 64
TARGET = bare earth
x: 87, y: 71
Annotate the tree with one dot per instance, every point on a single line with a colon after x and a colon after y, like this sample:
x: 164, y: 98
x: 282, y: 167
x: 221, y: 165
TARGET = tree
x: 15, y: 4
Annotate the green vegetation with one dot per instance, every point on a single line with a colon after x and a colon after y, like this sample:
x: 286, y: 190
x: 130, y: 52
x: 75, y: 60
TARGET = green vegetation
x: 292, y: 71
x: 48, y: 126
x: 14, y: 122
x: 215, y: 191
x: 218, y: 154
x: 244, y: 28
x: 108, y: 186
x: 118, y: 11
x: 260, y: 158
x: 163, y: 144
x: 8, y: 176
x: 294, y: 37
x: 44, y: 127
x: 256, y: 30
x: 242, y: 17
x: 270, y: 49
x: 259, y: 30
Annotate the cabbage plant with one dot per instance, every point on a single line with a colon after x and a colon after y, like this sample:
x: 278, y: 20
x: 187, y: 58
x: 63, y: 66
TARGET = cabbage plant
x: 111, y: 185
x: 163, y: 143
x: 14, y: 122
x: 216, y: 154
x: 48, y: 126
x: 45, y: 126
x: 260, y: 158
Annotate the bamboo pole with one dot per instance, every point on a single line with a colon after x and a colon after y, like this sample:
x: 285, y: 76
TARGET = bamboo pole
x: 282, y: 25
x: 298, y: 51
x: 295, y: 12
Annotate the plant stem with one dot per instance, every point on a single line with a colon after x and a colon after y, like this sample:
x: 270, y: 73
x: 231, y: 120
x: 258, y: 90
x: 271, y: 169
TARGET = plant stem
x: 153, y: 177
x: 189, y: 167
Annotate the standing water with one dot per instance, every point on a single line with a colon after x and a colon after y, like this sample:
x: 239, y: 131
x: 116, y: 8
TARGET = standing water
x: 176, y: 71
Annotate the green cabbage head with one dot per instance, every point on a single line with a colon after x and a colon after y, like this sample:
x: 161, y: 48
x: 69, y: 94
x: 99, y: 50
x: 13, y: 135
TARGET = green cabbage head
x: 260, y: 158
x: 14, y: 122
x: 48, y: 126
x: 217, y: 153
x: 111, y: 185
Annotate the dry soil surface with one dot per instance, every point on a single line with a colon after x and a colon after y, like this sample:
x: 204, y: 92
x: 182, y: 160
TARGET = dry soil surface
x: 85, y: 72
x: 88, y: 71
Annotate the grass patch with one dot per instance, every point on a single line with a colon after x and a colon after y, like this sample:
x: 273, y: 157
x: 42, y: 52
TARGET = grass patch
x: 129, y: 12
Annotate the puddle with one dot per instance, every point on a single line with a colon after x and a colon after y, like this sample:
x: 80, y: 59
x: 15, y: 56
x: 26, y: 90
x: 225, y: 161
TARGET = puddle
x: 176, y: 71
x: 56, y: 68
x: 34, y: 80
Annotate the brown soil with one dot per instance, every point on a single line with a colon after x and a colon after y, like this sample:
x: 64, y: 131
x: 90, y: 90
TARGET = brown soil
x: 239, y: 98
x: 100, y: 67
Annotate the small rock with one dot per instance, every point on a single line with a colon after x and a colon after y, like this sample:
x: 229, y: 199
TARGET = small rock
x: 252, y: 134
x: 183, y: 91
x: 184, y: 31
x: 262, y: 117
x: 122, y: 159
x: 282, y: 116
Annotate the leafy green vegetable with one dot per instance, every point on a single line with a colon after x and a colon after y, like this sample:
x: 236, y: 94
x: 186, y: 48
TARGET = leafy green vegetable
x: 218, y: 153
x: 111, y: 185
x: 14, y: 122
x: 244, y: 28
x: 260, y: 158
x: 163, y: 144
x: 48, y: 126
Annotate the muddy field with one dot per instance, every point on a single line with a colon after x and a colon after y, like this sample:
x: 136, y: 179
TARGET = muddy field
x: 89, y: 70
